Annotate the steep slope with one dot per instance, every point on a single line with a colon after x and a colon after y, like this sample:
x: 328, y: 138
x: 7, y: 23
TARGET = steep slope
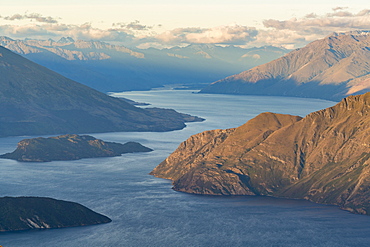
x: 323, y: 157
x: 331, y: 68
x: 99, y: 65
x: 109, y: 68
x: 70, y: 147
x: 37, y: 101
x: 26, y: 213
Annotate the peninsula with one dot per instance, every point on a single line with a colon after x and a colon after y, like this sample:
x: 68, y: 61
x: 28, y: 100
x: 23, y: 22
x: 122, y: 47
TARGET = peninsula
x: 323, y: 157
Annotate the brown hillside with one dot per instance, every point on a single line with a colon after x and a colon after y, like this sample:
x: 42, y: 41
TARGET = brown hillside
x: 323, y: 157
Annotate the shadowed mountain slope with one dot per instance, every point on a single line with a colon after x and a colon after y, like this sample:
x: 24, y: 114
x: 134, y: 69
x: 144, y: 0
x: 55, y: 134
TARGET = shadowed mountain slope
x: 35, y: 101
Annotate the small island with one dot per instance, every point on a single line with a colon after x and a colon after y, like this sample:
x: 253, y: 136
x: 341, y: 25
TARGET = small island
x: 26, y: 213
x: 70, y: 147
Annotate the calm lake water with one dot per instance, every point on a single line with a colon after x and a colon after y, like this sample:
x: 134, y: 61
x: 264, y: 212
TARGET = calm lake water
x: 144, y: 209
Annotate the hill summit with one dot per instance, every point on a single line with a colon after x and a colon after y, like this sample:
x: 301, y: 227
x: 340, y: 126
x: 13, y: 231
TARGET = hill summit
x: 323, y: 157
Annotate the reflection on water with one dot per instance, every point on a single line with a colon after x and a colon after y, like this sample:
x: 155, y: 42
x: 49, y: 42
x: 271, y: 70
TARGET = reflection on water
x: 144, y: 209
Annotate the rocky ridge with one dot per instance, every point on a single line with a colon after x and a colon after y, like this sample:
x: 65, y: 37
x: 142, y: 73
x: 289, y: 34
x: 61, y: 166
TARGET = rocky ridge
x: 324, y: 157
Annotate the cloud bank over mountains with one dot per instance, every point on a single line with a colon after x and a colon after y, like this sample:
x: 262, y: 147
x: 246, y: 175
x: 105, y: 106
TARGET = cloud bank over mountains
x: 292, y: 33
x: 232, y: 34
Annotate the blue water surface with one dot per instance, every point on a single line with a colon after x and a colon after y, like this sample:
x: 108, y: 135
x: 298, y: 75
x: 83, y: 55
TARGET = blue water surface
x: 144, y: 209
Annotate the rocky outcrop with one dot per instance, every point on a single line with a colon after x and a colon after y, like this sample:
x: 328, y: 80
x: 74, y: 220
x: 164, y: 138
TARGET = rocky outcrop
x: 70, y: 147
x: 26, y: 213
x: 323, y: 157
x: 330, y: 68
x: 37, y: 101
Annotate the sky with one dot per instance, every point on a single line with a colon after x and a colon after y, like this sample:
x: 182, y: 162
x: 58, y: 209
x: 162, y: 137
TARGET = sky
x: 167, y: 23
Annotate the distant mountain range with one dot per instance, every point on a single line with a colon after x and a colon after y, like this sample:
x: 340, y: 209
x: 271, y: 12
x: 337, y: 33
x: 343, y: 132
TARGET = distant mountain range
x: 324, y: 157
x: 37, y: 101
x: 107, y: 67
x: 331, y: 68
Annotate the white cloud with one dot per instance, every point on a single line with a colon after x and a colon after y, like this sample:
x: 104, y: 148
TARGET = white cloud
x: 134, y: 25
x: 232, y: 34
x: 84, y: 31
x: 311, y: 15
x: 329, y: 22
x: 292, y: 33
x: 297, y: 32
x: 339, y: 8
x: 341, y: 14
x: 33, y: 16
x: 364, y: 12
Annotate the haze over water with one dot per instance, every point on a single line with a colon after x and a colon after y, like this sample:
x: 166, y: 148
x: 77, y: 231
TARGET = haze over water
x: 144, y: 209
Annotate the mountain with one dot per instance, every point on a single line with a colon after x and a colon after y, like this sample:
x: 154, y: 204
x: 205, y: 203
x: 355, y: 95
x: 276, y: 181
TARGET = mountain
x: 323, y: 157
x: 109, y: 68
x: 70, y: 147
x: 99, y: 65
x: 232, y: 55
x: 37, y: 101
x: 201, y: 64
x: 331, y: 68
x: 26, y: 213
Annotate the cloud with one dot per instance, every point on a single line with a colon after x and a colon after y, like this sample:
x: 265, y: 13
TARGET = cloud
x: 44, y: 27
x: 339, y: 8
x: 85, y: 32
x: 291, y: 33
x: 135, y: 25
x: 311, y: 15
x: 341, y: 14
x: 232, y: 34
x: 300, y: 31
x: 33, y: 16
x: 364, y: 12
x: 24, y: 31
x: 131, y: 33
x: 329, y: 22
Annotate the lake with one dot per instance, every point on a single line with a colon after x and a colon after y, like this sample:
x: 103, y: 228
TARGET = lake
x: 147, y: 212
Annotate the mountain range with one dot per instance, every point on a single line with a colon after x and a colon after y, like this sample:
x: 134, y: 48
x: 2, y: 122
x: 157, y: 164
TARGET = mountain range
x: 37, y: 101
x: 323, y: 157
x: 109, y: 68
x: 330, y: 68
